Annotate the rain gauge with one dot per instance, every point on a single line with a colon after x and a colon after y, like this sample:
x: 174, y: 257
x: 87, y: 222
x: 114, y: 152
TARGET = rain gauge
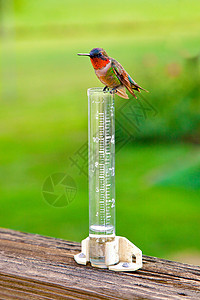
x: 103, y: 249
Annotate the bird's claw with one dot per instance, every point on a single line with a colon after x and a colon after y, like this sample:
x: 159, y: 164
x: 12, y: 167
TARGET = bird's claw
x: 105, y: 89
x: 113, y: 91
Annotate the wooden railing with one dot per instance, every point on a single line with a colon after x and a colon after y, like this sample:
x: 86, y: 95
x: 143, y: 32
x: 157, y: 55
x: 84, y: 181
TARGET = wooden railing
x: 38, y: 267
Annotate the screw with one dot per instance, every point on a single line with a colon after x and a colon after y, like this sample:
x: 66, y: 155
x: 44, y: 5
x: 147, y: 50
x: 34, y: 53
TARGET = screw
x: 125, y: 265
x: 82, y: 255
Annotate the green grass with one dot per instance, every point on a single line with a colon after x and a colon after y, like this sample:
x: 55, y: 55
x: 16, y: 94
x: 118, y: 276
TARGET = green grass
x: 43, y: 118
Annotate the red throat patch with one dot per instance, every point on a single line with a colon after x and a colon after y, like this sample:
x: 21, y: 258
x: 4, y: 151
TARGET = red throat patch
x: 99, y: 63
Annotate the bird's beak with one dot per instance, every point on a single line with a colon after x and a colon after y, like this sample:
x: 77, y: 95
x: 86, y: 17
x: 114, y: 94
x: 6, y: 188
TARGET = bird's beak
x: 83, y: 54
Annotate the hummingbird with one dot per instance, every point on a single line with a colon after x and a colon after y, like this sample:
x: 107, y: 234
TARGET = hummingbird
x: 111, y: 73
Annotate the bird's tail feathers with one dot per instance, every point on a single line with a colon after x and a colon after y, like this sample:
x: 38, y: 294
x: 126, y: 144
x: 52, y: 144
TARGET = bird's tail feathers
x: 122, y: 92
x: 130, y: 89
x: 136, y: 87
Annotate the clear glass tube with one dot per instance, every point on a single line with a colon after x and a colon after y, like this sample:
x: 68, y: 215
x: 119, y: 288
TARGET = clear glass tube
x: 101, y: 132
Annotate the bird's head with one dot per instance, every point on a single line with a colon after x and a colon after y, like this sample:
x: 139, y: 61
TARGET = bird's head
x: 98, y: 57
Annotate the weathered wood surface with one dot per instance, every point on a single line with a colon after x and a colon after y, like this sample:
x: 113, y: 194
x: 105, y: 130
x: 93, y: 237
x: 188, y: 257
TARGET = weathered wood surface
x: 38, y: 267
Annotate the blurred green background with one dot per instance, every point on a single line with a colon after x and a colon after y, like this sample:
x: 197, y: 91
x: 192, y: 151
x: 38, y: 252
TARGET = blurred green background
x: 43, y: 117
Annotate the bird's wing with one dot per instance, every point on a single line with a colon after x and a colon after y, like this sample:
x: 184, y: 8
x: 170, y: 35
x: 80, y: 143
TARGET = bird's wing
x: 122, y: 75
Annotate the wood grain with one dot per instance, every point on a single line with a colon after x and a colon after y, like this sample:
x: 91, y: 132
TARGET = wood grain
x: 38, y: 267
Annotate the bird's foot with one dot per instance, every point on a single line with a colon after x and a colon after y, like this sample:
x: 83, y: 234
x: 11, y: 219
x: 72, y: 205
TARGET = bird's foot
x: 105, y: 89
x: 113, y: 91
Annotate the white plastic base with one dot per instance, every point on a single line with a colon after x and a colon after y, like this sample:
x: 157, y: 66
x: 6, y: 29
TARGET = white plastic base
x: 118, y: 255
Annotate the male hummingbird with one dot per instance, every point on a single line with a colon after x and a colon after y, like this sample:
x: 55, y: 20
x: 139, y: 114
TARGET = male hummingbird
x: 111, y: 73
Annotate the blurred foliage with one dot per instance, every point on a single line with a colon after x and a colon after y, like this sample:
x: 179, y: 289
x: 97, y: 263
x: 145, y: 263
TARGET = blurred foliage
x: 179, y: 118
x: 43, y: 115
